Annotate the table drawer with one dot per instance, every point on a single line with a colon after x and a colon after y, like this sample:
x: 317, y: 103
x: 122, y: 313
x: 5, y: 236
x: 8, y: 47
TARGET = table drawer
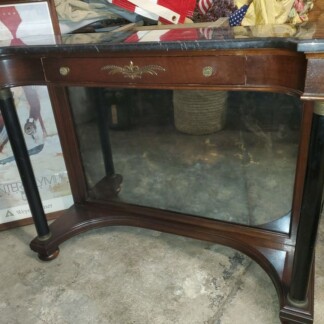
x: 217, y: 70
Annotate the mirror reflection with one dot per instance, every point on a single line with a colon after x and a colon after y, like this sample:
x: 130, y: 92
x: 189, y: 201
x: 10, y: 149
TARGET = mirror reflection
x: 223, y: 155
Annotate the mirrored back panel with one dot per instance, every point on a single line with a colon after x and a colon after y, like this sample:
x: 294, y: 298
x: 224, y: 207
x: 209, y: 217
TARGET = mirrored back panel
x: 229, y: 156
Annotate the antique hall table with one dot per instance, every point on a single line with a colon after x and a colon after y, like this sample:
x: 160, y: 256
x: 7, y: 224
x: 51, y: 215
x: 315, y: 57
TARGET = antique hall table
x: 277, y: 59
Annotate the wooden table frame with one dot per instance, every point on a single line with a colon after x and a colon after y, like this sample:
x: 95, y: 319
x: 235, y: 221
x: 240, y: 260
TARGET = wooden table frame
x: 286, y: 254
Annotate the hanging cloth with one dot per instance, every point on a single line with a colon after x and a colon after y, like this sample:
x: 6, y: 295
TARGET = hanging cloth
x: 264, y: 12
x: 77, y: 10
x: 204, y: 5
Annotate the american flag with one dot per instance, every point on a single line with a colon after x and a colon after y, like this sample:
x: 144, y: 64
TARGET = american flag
x: 204, y: 5
x: 166, y: 11
x: 235, y: 19
x: 237, y: 16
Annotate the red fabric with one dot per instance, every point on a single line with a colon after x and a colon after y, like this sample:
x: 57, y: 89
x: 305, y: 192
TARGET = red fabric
x: 184, y: 8
x: 124, y: 4
x: 132, y: 38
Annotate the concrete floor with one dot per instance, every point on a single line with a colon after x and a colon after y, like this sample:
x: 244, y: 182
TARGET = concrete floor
x: 122, y: 275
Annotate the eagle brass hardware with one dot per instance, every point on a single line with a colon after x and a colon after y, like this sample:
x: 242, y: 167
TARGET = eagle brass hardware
x: 64, y: 70
x: 133, y: 71
x: 207, y: 71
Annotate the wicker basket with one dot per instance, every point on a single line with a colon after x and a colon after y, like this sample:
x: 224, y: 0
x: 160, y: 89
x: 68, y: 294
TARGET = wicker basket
x: 199, y: 112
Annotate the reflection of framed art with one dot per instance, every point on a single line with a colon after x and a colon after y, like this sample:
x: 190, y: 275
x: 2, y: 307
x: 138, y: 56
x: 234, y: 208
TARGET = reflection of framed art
x: 21, y: 22
x: 23, y: 19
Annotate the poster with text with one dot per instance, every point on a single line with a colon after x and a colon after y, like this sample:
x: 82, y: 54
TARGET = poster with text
x: 37, y: 122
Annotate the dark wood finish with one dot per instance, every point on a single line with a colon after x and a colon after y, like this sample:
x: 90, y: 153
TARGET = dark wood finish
x: 311, y: 205
x: 176, y: 70
x: 278, y: 76
x: 301, y: 166
x: 266, y: 69
x: 53, y: 13
x: 244, y: 70
x: 23, y: 71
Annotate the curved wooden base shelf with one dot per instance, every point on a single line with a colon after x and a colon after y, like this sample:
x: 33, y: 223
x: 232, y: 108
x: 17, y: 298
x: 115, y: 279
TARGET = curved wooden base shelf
x: 272, y: 255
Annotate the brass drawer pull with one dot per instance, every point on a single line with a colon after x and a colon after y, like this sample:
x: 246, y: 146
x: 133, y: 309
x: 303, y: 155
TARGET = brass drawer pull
x: 64, y: 70
x: 207, y: 71
x: 133, y: 71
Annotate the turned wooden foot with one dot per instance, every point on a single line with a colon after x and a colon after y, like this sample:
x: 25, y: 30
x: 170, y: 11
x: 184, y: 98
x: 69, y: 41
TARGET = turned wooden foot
x: 49, y: 257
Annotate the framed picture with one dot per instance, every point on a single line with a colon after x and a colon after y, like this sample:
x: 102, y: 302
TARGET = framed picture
x: 21, y: 22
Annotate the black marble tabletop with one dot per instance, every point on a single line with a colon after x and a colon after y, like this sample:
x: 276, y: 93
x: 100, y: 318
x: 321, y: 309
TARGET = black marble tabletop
x: 306, y: 37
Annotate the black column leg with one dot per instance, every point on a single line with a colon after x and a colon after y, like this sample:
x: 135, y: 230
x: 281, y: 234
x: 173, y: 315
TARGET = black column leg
x: 25, y: 169
x: 110, y: 186
x: 312, y: 205
x: 103, y: 127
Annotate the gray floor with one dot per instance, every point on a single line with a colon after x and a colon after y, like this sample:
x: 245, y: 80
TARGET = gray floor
x: 122, y: 275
